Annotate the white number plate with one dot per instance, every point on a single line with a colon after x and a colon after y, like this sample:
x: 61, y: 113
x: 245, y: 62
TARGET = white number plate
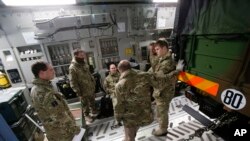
x: 233, y: 99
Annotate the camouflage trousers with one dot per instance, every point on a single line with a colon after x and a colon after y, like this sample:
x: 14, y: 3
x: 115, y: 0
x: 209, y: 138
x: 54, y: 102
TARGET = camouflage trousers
x: 88, y: 104
x: 162, y: 108
x: 130, y: 133
x: 114, y: 101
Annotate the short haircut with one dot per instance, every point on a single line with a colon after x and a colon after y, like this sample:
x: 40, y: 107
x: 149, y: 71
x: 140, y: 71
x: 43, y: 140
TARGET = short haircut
x: 77, y: 51
x: 162, y: 43
x: 124, y: 65
x: 111, y: 64
x: 37, y: 67
x: 152, y: 44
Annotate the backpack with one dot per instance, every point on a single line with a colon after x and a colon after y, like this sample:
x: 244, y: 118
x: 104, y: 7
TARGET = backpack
x: 106, y: 107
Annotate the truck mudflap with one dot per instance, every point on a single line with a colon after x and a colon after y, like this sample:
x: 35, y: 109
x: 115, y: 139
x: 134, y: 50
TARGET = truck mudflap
x: 199, y: 82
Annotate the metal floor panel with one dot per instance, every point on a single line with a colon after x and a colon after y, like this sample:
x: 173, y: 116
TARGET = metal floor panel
x: 181, y: 125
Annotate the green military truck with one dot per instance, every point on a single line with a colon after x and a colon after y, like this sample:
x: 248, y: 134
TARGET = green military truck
x: 213, y: 38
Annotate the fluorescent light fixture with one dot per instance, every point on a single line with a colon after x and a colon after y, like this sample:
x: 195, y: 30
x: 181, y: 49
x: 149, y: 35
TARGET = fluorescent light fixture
x: 37, y: 2
x: 164, y: 1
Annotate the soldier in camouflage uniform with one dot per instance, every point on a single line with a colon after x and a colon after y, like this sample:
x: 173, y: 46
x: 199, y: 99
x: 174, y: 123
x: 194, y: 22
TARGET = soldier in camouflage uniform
x: 153, y: 58
x: 133, y: 99
x: 110, y: 81
x: 165, y: 67
x: 51, y: 108
x: 83, y: 84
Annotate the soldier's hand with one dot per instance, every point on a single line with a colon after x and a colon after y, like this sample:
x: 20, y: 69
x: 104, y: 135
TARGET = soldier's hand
x: 180, y: 65
x: 152, y: 50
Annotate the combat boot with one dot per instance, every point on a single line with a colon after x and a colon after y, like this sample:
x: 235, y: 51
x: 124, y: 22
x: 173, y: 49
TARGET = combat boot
x: 118, y: 123
x: 160, y: 132
x: 88, y: 119
x: 94, y: 113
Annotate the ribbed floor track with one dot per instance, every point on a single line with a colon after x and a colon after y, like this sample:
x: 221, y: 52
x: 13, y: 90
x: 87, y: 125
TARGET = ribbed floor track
x: 181, y: 125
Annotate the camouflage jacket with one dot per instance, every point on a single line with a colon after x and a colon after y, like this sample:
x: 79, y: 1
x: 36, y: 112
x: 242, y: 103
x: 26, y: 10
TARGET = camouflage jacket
x: 153, y: 60
x: 53, y: 112
x: 133, y: 99
x: 165, y: 68
x: 81, y: 80
x: 109, y: 83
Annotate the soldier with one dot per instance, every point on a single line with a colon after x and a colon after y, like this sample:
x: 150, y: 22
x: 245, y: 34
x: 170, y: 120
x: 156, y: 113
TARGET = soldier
x: 110, y: 81
x: 165, y: 67
x: 153, y: 58
x: 133, y: 100
x: 83, y: 84
x: 51, y: 108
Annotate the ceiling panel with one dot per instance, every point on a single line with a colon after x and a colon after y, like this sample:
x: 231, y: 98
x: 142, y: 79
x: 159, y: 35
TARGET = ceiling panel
x: 83, y: 2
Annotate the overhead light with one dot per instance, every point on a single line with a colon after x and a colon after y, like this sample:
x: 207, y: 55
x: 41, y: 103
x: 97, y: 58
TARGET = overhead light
x: 164, y: 1
x: 37, y: 2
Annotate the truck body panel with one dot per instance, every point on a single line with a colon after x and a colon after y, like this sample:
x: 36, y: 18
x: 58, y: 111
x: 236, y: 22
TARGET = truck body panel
x: 214, y: 40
